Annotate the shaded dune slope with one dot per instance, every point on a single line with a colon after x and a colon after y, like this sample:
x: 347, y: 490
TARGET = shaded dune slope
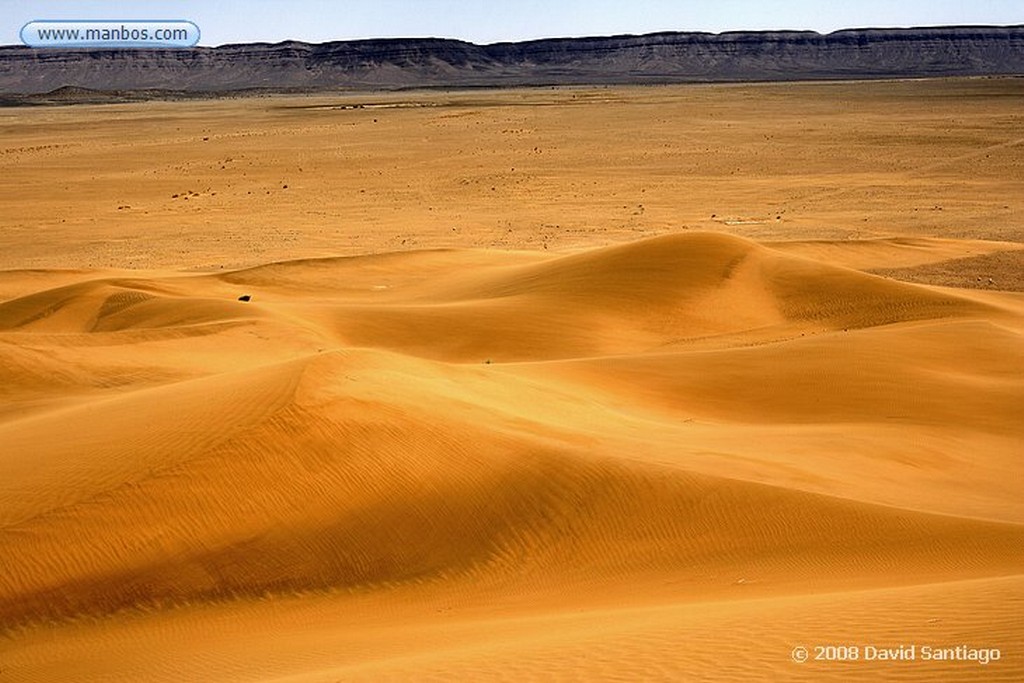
x: 350, y: 437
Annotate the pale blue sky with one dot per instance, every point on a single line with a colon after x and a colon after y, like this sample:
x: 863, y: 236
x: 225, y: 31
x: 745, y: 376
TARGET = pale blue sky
x: 483, y: 21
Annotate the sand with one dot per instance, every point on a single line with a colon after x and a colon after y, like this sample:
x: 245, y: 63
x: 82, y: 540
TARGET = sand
x: 547, y: 384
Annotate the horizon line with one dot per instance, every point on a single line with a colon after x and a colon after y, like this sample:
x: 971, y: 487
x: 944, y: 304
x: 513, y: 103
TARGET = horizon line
x: 557, y: 37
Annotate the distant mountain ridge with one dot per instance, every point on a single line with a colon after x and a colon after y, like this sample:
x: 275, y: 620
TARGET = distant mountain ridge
x: 670, y: 57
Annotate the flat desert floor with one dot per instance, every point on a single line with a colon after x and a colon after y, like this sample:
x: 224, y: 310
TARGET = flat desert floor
x: 658, y: 383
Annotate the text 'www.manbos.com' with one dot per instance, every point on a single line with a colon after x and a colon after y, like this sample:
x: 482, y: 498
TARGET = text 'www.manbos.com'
x: 110, y: 34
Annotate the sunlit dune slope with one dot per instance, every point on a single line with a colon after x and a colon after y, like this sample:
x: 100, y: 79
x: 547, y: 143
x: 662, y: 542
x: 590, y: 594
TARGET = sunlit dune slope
x: 619, y: 635
x: 845, y: 379
x: 102, y: 306
x: 486, y: 420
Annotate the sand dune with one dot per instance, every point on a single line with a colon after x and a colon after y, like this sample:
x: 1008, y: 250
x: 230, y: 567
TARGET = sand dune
x: 300, y: 485
x: 892, y: 252
x: 675, y: 456
x: 389, y: 454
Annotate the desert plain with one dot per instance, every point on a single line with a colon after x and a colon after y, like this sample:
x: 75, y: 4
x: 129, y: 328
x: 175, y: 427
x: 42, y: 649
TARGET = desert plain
x: 652, y: 383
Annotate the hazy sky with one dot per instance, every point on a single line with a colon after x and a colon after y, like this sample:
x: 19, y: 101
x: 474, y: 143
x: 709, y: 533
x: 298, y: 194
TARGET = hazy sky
x: 486, y: 21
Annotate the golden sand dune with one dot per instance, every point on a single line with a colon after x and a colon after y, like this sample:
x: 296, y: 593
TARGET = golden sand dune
x: 421, y: 637
x: 483, y: 424
x: 658, y: 386
x: 892, y: 252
